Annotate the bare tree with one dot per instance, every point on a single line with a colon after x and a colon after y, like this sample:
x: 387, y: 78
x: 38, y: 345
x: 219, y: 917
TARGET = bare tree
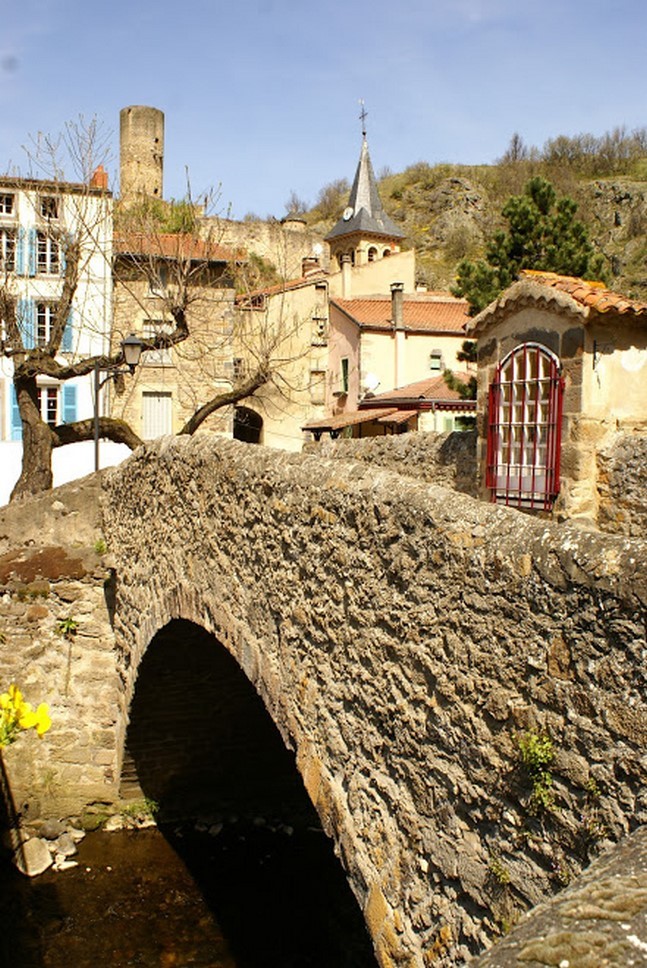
x: 192, y: 277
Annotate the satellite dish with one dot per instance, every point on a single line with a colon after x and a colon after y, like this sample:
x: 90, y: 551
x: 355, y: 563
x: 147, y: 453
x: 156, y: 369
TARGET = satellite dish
x: 348, y: 213
x: 371, y: 382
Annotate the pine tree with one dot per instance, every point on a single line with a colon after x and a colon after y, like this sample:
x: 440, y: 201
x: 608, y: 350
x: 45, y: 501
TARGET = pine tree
x: 543, y: 233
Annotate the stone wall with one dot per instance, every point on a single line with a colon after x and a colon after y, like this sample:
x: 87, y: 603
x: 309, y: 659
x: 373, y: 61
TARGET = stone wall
x: 405, y: 640
x: 445, y: 459
x: 57, y: 644
x: 622, y: 484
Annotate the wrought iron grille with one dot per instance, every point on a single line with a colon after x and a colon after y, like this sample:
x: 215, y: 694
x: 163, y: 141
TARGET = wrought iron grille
x: 524, y: 428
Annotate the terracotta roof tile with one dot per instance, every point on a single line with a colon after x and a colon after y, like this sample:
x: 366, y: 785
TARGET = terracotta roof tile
x: 592, y: 294
x: 174, y: 246
x: 422, y: 312
x: 349, y: 419
x: 310, y: 279
x: 431, y: 388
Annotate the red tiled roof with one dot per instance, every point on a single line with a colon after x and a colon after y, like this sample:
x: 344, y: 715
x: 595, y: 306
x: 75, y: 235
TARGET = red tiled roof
x: 174, y: 246
x: 422, y: 312
x: 594, y: 295
x: 310, y: 279
x: 431, y: 388
x: 350, y: 418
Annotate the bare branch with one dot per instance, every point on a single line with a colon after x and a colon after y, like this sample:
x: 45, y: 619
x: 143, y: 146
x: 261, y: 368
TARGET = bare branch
x: 116, y: 430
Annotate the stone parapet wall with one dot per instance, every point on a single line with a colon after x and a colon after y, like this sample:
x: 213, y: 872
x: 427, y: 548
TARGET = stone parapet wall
x: 404, y: 638
x: 445, y: 459
x: 622, y: 484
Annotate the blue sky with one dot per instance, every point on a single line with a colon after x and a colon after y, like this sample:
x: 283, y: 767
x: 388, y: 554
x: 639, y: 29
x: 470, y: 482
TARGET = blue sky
x: 261, y: 96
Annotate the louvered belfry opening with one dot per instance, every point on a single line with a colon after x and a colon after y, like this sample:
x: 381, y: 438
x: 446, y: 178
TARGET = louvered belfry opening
x: 524, y: 428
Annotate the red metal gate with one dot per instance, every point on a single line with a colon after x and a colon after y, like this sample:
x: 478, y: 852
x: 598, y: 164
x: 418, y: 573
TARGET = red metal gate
x: 525, y: 428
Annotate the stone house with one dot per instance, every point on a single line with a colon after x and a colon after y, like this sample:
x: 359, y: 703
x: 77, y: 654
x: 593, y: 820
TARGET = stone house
x: 172, y: 382
x: 36, y: 219
x: 561, y: 367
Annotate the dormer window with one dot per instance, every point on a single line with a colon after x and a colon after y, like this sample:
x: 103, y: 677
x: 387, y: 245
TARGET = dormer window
x: 48, y: 207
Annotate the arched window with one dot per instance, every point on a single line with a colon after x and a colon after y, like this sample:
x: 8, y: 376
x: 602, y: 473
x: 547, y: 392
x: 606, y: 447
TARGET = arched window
x: 386, y: 253
x: 372, y: 254
x: 524, y: 428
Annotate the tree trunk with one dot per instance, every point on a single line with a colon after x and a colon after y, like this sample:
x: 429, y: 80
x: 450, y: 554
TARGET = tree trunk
x: 37, y: 440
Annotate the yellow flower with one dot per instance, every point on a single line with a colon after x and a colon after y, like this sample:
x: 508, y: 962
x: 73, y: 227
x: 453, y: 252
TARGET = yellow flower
x: 43, y: 722
x: 26, y: 716
x: 15, y: 695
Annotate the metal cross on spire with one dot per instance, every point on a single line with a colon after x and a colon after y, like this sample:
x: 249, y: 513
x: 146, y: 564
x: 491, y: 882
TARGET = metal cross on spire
x: 363, y: 115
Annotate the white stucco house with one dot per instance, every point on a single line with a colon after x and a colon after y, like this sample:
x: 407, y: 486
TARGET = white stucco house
x: 36, y: 219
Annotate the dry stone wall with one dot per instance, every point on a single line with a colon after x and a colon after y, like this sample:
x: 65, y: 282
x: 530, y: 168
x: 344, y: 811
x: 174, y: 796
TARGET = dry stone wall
x: 622, y: 484
x: 56, y: 643
x: 405, y: 640
x: 445, y: 459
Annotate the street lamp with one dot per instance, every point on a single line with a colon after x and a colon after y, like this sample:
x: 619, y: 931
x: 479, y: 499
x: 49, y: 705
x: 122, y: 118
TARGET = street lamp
x: 131, y: 348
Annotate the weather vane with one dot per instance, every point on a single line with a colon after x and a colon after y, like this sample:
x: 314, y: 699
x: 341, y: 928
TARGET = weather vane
x: 363, y: 115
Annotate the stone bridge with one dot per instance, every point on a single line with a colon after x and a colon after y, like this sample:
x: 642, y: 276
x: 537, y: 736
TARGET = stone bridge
x: 405, y: 640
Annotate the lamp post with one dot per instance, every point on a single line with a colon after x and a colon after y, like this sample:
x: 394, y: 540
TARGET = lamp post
x: 132, y: 348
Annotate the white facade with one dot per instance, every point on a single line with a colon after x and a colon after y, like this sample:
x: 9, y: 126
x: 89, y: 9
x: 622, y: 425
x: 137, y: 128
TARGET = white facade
x: 36, y: 219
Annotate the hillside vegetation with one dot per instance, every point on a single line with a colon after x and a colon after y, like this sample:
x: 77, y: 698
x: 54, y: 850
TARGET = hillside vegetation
x: 448, y: 211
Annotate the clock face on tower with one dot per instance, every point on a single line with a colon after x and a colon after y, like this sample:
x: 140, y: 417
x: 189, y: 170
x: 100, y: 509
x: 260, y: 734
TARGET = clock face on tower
x: 348, y: 213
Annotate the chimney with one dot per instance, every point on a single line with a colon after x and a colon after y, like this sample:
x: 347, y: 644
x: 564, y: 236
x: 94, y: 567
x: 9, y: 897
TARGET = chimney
x: 397, y: 298
x: 309, y: 265
x: 346, y: 277
x: 397, y: 318
x: 99, y: 178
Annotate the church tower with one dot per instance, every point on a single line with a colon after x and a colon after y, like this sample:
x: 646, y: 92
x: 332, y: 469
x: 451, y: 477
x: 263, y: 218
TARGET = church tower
x: 364, y: 233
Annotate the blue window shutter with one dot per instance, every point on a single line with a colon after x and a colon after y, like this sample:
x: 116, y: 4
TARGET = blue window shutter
x: 20, y: 252
x: 69, y: 403
x: 32, y: 248
x: 27, y: 322
x: 66, y: 342
x: 28, y: 328
x: 16, y: 422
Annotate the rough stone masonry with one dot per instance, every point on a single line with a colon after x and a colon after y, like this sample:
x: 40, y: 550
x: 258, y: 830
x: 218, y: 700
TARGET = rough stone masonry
x: 406, y: 640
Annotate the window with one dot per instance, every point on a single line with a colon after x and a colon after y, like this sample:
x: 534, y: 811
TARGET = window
x: 524, y: 428
x: 436, y: 361
x: 48, y: 254
x: 6, y: 204
x: 372, y: 254
x: 45, y: 318
x: 317, y: 387
x: 7, y: 250
x: 57, y: 403
x: 319, y: 334
x: 48, y: 405
x: 151, y: 330
x: 158, y: 280
x: 386, y: 253
x: 157, y: 414
x: 48, y: 207
x: 344, y: 375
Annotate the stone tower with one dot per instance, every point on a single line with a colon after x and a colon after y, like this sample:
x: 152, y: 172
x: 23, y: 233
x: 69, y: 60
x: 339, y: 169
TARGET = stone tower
x: 141, y: 151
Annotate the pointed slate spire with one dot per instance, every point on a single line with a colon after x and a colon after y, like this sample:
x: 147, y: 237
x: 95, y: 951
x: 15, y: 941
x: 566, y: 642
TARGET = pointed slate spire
x: 364, y: 212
